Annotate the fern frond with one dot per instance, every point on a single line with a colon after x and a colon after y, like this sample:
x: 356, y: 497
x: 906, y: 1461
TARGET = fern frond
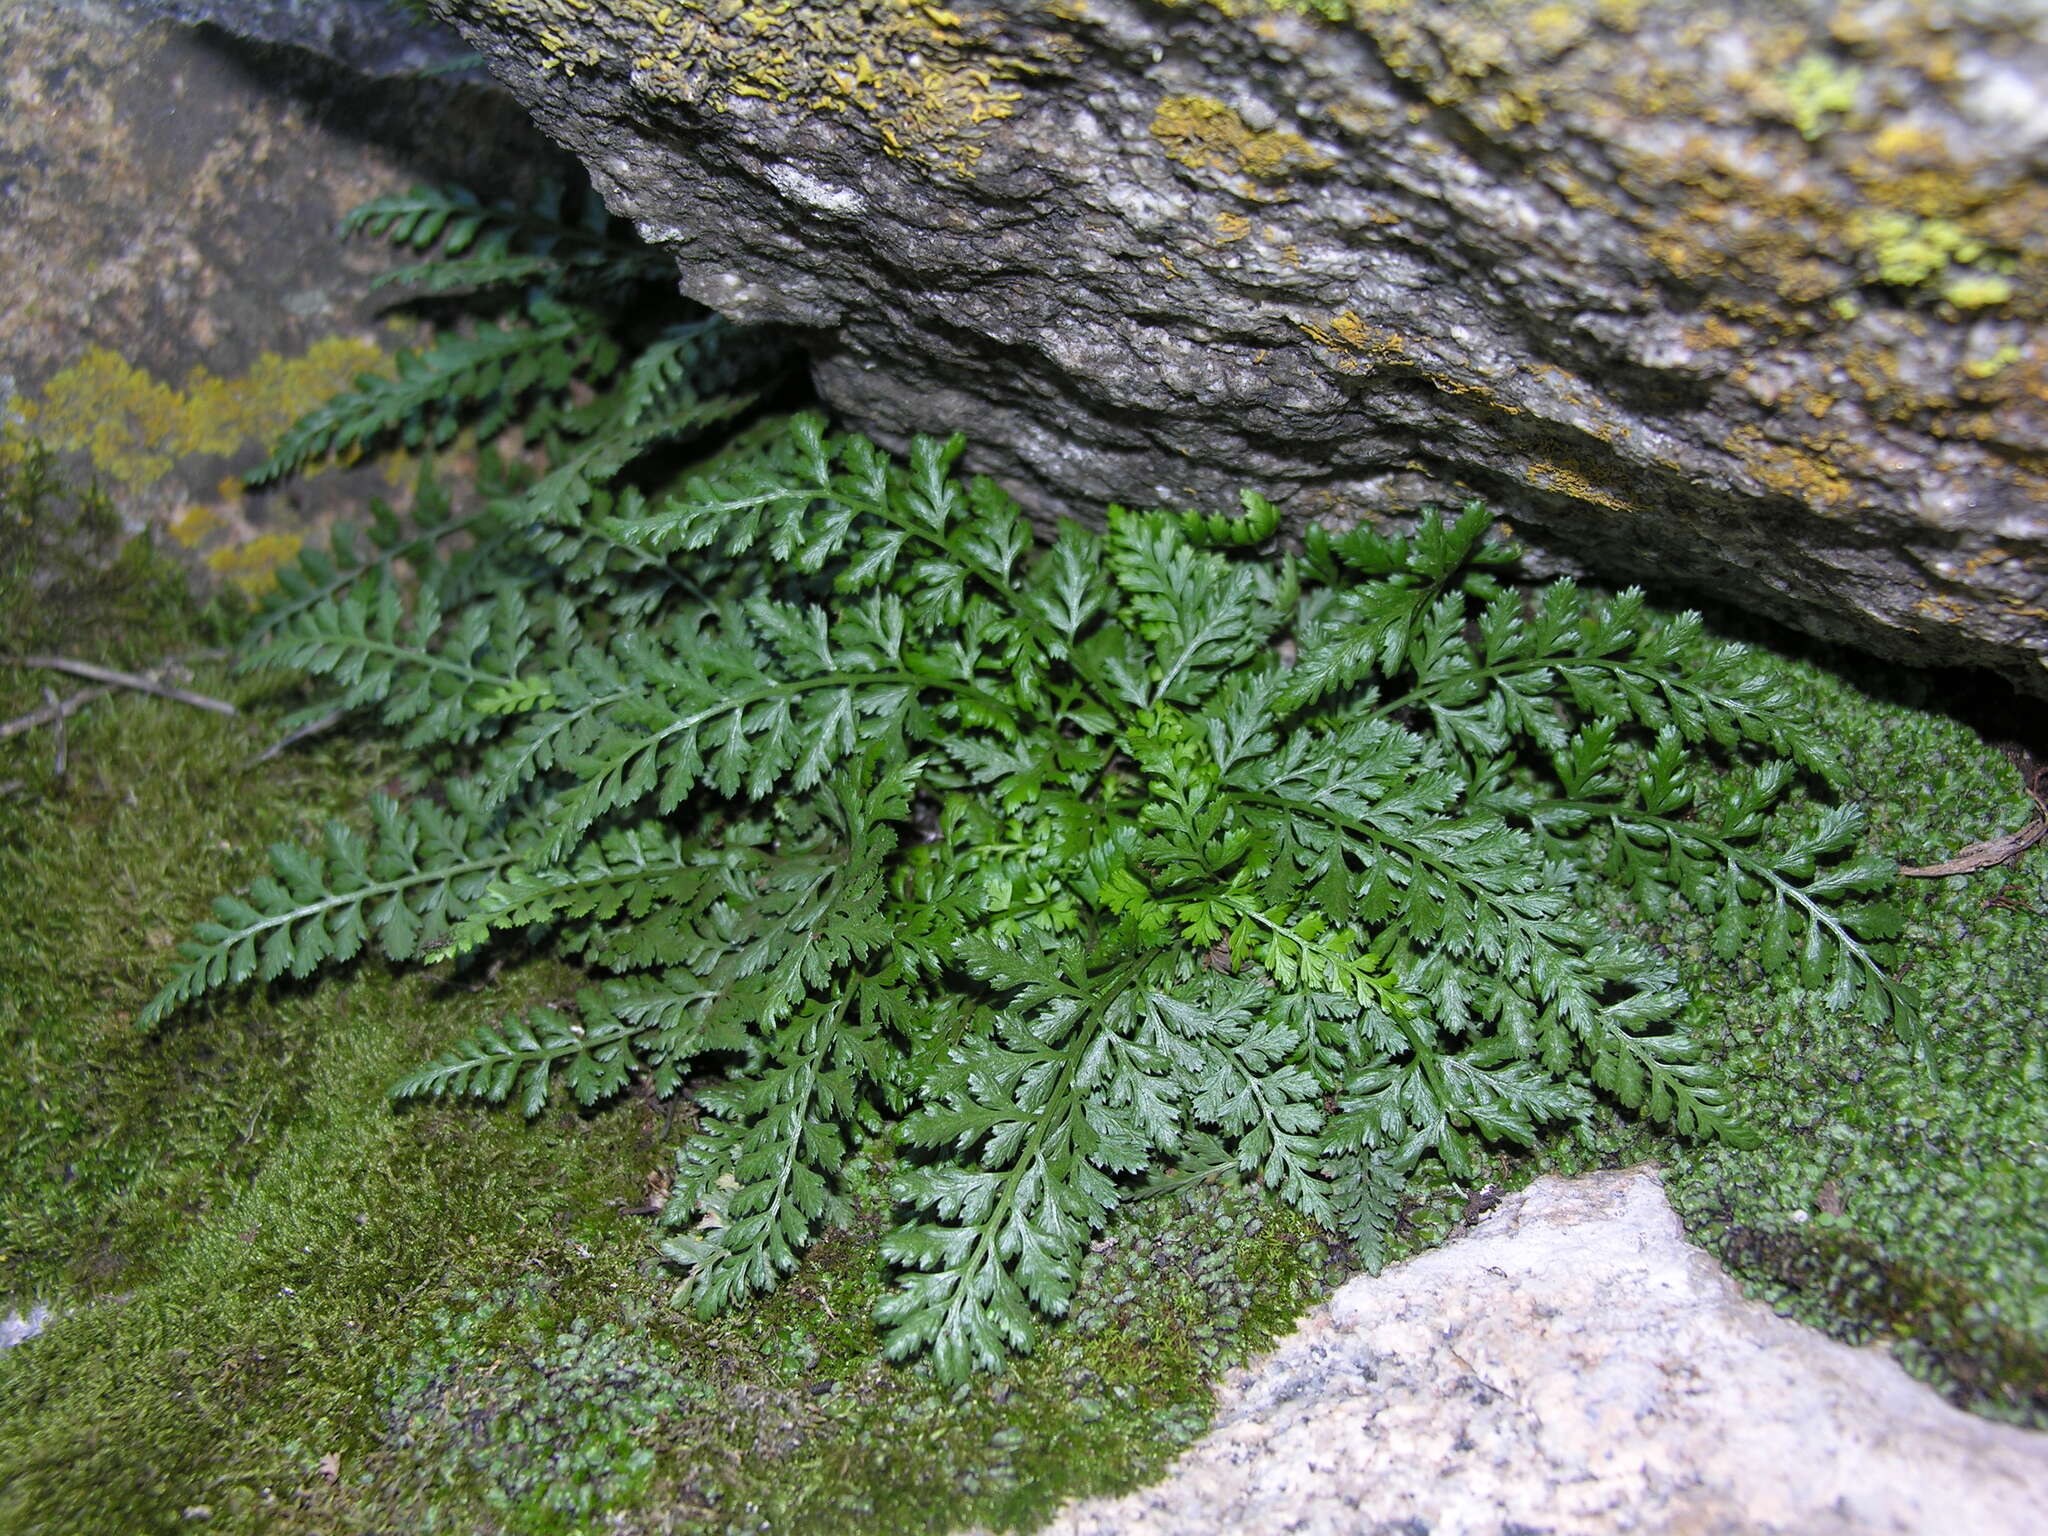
x: 405, y: 887
x: 479, y: 381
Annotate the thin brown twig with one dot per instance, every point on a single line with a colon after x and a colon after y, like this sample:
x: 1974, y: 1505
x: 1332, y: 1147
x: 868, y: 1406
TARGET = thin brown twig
x: 1999, y: 850
x: 43, y: 714
x: 293, y: 738
x: 141, y: 684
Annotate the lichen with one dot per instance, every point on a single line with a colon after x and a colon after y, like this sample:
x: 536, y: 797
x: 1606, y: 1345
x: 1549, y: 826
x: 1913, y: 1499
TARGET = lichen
x: 1817, y: 89
x: 134, y: 427
x: 1200, y: 133
x: 919, y: 75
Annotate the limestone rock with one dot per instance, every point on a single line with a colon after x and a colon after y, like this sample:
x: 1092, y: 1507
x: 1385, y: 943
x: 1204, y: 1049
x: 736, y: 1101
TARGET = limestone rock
x: 1573, y: 1365
x: 1745, y: 296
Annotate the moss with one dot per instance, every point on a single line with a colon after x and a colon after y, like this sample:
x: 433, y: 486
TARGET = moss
x: 301, y: 1311
x: 1893, y: 1198
x: 287, y: 1305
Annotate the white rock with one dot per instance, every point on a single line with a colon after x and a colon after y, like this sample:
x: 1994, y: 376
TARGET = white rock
x: 1573, y: 1365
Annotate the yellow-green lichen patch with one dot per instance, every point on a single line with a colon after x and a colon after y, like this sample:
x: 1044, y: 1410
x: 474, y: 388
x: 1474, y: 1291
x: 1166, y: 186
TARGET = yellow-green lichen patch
x: 1817, y: 91
x: 921, y: 75
x: 1977, y: 290
x: 1991, y: 367
x: 1907, y: 251
x: 253, y: 565
x: 134, y: 427
x: 1203, y: 134
x: 1577, y: 484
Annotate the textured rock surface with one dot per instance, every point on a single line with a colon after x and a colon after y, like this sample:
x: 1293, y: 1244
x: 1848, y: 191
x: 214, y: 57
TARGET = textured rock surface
x: 172, y: 293
x: 1572, y: 1365
x: 375, y: 37
x: 1748, y: 295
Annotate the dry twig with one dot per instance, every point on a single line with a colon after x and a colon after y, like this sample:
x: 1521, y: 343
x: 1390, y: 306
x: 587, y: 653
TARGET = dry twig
x: 63, y: 741
x: 139, y: 682
x: 1999, y: 850
x: 44, y: 714
x: 293, y: 738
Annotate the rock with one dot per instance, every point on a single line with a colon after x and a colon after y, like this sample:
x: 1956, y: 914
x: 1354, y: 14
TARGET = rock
x: 1571, y: 1364
x: 372, y: 37
x: 1747, y: 297
x: 177, y: 295
x: 18, y: 1327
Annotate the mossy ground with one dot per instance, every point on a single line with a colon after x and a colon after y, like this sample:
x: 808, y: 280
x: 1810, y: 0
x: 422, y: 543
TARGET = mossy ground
x: 291, y: 1307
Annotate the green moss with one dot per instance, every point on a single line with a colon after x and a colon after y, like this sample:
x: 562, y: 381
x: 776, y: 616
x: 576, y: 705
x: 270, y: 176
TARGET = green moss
x: 1891, y: 1198
x: 288, y: 1305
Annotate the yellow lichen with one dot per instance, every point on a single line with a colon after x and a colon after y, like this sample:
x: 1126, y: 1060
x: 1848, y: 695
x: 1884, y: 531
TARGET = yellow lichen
x: 919, y: 73
x: 135, y: 427
x: 1795, y: 472
x: 1908, y: 141
x: 193, y: 525
x: 1231, y: 227
x: 253, y: 566
x: 1569, y: 482
x: 1555, y: 27
x: 1199, y: 133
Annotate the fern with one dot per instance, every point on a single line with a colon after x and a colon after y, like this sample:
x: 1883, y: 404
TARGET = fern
x: 1074, y: 866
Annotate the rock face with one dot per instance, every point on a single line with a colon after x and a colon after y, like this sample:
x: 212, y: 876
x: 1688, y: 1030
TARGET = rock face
x: 175, y: 295
x: 1747, y: 296
x: 1572, y: 1365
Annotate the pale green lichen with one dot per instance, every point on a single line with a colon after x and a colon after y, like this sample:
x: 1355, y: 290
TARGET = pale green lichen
x: 1977, y: 290
x: 1991, y: 367
x: 1816, y: 89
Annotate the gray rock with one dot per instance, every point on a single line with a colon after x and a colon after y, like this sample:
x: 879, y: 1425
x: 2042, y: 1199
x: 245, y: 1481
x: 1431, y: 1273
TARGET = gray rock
x: 175, y: 291
x: 1747, y: 296
x: 1573, y: 1365
x: 19, y: 1327
x: 372, y: 37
